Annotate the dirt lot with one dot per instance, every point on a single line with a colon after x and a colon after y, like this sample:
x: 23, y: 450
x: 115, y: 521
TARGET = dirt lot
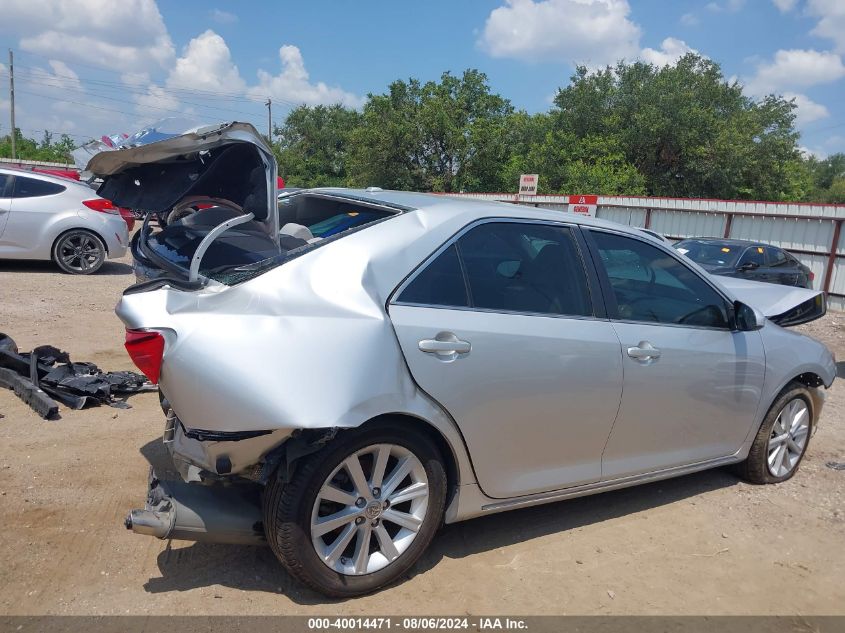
x: 702, y: 544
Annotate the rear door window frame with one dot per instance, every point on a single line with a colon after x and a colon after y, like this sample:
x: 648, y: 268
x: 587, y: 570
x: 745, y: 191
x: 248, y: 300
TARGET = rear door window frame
x: 595, y: 296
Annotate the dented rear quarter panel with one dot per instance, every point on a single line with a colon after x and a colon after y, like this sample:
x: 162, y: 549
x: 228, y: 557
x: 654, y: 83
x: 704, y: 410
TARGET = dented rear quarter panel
x: 307, y: 345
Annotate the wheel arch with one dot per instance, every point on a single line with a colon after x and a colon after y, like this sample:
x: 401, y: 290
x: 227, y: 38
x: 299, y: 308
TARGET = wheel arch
x: 70, y: 229
x: 444, y: 446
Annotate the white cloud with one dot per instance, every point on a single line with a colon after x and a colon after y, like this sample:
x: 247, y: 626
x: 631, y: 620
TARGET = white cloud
x: 729, y: 6
x: 796, y: 69
x: 671, y: 50
x: 206, y: 64
x: 293, y: 84
x: 689, y: 19
x: 831, y: 25
x: 125, y: 35
x: 223, y: 17
x: 808, y: 110
x: 595, y: 32
x: 830, y: 145
x: 156, y: 103
x: 785, y: 6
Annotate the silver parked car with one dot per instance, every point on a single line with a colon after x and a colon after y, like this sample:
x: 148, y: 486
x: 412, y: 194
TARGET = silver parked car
x: 405, y: 360
x: 54, y: 218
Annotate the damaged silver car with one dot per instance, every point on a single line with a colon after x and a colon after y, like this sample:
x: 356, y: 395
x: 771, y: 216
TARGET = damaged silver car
x: 393, y: 361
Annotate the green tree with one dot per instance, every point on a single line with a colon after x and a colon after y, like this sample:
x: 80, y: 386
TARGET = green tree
x: 313, y: 145
x: 441, y: 136
x: 684, y: 129
x: 827, y: 178
x: 47, y: 150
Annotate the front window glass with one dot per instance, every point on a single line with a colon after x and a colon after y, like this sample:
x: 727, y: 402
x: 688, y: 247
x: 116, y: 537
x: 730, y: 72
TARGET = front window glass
x: 754, y: 255
x: 652, y: 286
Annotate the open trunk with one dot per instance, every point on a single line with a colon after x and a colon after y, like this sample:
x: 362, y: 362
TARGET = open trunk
x: 243, y: 226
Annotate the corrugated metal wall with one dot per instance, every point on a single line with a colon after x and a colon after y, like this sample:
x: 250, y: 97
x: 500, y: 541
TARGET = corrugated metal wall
x: 806, y: 230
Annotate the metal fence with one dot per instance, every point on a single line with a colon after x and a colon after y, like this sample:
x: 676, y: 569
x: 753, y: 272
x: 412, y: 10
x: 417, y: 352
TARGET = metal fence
x: 812, y: 232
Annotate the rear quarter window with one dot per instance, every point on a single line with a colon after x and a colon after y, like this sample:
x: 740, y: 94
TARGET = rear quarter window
x: 32, y: 188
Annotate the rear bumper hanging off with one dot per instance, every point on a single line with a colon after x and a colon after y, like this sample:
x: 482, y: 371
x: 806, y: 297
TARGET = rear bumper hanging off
x: 197, y: 512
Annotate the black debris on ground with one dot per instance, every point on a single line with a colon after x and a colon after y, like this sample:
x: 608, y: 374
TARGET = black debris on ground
x: 46, y: 376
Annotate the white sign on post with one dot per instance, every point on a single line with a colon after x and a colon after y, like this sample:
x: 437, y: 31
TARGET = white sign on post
x: 528, y: 184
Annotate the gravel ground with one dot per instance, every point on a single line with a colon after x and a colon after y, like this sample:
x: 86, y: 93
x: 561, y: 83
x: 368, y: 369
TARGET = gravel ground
x: 701, y: 544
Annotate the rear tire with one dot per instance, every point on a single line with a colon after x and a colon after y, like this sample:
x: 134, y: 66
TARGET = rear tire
x: 79, y: 252
x: 367, y: 549
x: 783, y: 438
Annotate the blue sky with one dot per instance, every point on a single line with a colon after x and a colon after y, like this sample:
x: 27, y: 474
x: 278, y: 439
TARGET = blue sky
x: 94, y: 66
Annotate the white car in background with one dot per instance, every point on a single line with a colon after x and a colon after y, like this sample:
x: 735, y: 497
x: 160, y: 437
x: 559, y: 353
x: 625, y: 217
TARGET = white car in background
x: 53, y: 218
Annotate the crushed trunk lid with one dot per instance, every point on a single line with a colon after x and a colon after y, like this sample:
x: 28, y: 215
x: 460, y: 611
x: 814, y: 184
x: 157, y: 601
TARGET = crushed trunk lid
x: 167, y: 162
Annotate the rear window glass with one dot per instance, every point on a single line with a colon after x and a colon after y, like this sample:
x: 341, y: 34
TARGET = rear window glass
x: 441, y: 283
x: 509, y: 267
x: 32, y: 188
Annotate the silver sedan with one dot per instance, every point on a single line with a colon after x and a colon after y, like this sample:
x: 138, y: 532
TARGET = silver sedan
x: 53, y: 218
x: 406, y: 360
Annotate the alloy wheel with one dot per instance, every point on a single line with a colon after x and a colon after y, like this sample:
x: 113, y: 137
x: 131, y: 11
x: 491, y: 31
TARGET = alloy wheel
x: 789, y: 437
x: 369, y: 509
x: 80, y: 252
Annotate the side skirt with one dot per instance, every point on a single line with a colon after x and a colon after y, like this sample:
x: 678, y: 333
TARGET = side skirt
x: 474, y: 504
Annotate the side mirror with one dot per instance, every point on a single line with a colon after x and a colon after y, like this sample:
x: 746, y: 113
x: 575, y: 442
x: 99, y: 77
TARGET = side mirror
x: 749, y: 266
x: 746, y: 318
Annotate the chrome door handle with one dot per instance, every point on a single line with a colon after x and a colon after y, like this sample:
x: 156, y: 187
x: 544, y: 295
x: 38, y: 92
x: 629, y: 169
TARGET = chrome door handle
x: 644, y: 351
x: 436, y: 346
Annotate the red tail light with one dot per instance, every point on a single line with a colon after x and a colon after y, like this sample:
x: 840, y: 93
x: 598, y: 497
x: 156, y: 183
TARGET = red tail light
x: 146, y: 349
x: 127, y: 216
x: 812, y: 276
x: 102, y: 205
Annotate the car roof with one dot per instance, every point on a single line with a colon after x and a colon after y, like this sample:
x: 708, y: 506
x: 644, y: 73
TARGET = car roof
x: 38, y: 175
x: 440, y: 206
x: 728, y: 240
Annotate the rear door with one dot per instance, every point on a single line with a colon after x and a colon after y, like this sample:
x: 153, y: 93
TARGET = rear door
x: 783, y: 269
x: 692, y: 385
x: 503, y: 328
x: 6, y: 181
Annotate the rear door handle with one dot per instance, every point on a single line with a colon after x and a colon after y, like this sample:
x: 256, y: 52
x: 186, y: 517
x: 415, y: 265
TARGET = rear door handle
x: 446, y: 344
x: 644, y: 351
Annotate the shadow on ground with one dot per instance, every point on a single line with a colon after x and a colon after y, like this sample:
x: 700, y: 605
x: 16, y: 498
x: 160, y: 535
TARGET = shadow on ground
x: 256, y: 568
x: 30, y: 266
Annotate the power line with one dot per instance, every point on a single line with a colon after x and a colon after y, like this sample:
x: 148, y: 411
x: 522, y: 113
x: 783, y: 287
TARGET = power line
x: 105, y: 109
x: 197, y: 91
x: 51, y: 83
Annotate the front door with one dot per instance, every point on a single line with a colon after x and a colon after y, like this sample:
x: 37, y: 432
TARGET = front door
x: 692, y: 385
x: 499, y: 327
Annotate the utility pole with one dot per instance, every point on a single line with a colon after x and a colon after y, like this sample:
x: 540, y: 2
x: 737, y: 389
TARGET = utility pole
x: 12, y: 97
x: 269, y: 105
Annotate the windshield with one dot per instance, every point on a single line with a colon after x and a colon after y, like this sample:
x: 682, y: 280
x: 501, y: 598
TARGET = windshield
x: 709, y: 253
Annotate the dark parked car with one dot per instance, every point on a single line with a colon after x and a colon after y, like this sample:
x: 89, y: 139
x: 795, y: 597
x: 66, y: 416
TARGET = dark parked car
x: 746, y: 260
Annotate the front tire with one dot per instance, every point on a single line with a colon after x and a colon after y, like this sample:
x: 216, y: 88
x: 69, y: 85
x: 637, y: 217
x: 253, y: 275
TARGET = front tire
x: 79, y: 252
x: 782, y: 440
x: 358, y: 513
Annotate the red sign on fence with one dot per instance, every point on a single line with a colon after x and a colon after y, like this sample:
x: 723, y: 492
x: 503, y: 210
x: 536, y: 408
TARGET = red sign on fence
x: 584, y: 205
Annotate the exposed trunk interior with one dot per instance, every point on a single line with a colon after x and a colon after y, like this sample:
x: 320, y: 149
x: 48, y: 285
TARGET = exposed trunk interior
x: 306, y: 219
